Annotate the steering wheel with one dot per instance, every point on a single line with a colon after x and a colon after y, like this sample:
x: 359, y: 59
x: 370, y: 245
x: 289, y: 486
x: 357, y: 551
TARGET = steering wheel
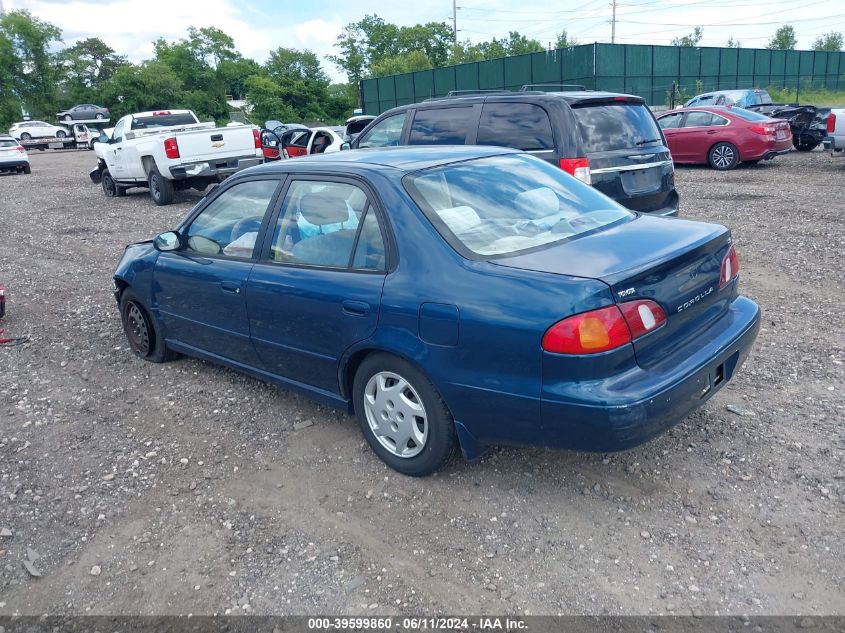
x: 245, y: 225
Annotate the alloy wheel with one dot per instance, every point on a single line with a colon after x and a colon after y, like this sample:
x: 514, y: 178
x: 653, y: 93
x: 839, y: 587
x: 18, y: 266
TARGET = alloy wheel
x: 396, y: 414
x: 723, y: 156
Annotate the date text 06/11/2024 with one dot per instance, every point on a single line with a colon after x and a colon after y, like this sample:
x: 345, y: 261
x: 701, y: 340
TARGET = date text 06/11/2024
x: 417, y: 624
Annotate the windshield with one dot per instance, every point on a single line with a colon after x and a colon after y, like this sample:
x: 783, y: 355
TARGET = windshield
x: 748, y: 115
x: 162, y: 120
x: 504, y: 204
x: 618, y: 126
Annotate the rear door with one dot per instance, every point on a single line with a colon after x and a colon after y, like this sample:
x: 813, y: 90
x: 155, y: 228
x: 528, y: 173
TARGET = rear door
x: 628, y: 159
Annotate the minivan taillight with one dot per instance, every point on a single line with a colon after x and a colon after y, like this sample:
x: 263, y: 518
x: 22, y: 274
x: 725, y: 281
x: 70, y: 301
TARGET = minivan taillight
x: 578, y: 167
x: 256, y: 136
x: 730, y: 267
x: 171, y: 147
x: 831, y: 123
x: 605, y: 328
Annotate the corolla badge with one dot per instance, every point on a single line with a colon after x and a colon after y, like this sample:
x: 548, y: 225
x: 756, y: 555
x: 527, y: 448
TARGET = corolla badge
x: 691, y: 302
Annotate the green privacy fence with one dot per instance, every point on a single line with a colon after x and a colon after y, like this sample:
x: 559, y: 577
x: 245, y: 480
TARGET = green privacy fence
x: 648, y: 71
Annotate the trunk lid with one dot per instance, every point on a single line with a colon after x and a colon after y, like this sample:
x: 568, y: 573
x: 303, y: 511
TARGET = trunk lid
x: 676, y: 263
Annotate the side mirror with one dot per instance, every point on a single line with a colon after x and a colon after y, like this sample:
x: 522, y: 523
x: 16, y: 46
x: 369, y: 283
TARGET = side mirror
x: 345, y: 146
x: 166, y: 242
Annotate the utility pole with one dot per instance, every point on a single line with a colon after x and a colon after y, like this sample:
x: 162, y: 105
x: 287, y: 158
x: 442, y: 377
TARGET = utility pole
x: 454, y: 21
x: 613, y: 25
x: 2, y: 10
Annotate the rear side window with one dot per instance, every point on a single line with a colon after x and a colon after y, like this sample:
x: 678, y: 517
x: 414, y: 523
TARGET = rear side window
x: 518, y: 125
x: 616, y: 126
x: 748, y: 115
x: 441, y: 126
x: 162, y: 120
x: 698, y: 119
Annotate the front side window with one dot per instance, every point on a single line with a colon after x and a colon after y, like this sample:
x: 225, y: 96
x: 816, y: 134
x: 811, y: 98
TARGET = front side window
x: 522, y: 126
x: 670, y: 121
x: 327, y: 224
x: 385, y: 133
x: 230, y: 224
x: 441, y: 126
x: 505, y: 204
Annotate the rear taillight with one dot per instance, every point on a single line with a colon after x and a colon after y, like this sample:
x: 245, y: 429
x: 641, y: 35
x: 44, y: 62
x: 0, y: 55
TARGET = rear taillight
x: 171, y: 148
x: 643, y: 316
x: 730, y: 267
x: 256, y: 137
x: 765, y: 130
x: 604, y: 329
x: 578, y: 167
x: 20, y: 148
x: 831, y: 123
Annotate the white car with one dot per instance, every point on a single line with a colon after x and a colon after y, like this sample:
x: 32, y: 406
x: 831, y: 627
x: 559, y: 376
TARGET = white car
x: 316, y: 140
x: 26, y: 130
x: 13, y: 157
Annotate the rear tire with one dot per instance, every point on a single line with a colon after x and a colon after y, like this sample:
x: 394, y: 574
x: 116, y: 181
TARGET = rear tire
x: 393, y: 399
x: 99, y: 116
x: 27, y: 169
x: 142, y: 332
x: 723, y: 156
x: 26, y: 136
x: 110, y: 187
x: 67, y: 117
x: 161, y: 189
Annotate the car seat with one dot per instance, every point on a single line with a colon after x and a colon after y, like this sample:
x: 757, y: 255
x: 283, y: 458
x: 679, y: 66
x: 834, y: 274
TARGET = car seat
x: 325, y: 249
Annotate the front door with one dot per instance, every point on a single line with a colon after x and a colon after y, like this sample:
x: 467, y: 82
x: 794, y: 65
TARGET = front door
x: 317, y: 289
x: 199, y: 290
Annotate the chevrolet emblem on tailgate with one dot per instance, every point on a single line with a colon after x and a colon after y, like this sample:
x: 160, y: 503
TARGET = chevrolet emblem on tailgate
x: 220, y: 144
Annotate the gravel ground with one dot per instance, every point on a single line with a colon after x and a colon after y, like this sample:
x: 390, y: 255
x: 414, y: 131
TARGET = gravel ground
x: 186, y: 488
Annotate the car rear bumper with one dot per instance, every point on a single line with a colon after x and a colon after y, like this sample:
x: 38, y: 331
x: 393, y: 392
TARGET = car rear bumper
x: 13, y: 164
x: 214, y: 168
x: 627, y: 410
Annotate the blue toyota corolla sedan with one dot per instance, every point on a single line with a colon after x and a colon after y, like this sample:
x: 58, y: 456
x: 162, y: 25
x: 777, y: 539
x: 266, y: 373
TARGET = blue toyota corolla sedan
x: 448, y: 297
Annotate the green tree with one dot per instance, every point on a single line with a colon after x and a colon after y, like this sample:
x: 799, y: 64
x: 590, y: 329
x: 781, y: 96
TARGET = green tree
x: 152, y: 85
x: 402, y: 63
x: 267, y: 101
x: 732, y: 43
x: 691, y: 39
x: 234, y: 73
x: 783, y: 39
x: 564, y: 41
x: 828, y: 42
x: 33, y: 72
x: 515, y: 44
x: 86, y: 67
x: 10, y: 104
x: 290, y: 64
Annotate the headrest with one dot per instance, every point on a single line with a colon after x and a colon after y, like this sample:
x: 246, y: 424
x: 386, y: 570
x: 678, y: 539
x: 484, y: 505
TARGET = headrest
x: 459, y: 219
x: 320, y: 209
x: 539, y: 202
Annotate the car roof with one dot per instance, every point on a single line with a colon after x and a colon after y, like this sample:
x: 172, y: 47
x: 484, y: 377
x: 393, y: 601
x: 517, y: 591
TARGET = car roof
x: 405, y: 158
x: 529, y: 96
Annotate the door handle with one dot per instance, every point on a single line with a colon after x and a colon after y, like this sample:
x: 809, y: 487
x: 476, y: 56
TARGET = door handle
x: 356, y: 308
x: 230, y: 286
x: 711, y: 131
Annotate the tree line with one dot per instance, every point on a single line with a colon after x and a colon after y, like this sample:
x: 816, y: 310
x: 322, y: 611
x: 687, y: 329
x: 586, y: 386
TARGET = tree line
x: 199, y: 71
x: 784, y: 39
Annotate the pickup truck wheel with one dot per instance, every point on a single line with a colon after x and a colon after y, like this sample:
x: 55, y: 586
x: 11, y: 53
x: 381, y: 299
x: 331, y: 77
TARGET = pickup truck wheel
x: 110, y: 187
x: 161, y: 189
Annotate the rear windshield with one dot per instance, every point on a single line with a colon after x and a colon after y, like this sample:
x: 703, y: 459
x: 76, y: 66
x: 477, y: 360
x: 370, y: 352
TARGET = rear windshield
x: 501, y: 205
x: 162, y: 120
x: 7, y: 142
x: 616, y: 126
x: 748, y: 115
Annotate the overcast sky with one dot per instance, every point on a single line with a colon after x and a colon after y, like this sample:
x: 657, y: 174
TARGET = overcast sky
x: 257, y: 26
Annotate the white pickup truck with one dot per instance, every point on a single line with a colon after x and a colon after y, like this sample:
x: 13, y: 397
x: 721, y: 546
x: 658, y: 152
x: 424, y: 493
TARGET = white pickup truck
x: 170, y: 149
x: 835, y: 139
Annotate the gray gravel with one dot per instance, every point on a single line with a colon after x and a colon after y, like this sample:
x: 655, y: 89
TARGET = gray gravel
x: 187, y: 488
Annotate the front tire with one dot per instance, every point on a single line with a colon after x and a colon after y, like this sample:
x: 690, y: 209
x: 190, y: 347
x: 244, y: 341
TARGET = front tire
x: 61, y: 134
x: 110, y: 188
x: 723, y: 156
x: 161, y: 189
x: 402, y: 416
x: 142, y: 332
